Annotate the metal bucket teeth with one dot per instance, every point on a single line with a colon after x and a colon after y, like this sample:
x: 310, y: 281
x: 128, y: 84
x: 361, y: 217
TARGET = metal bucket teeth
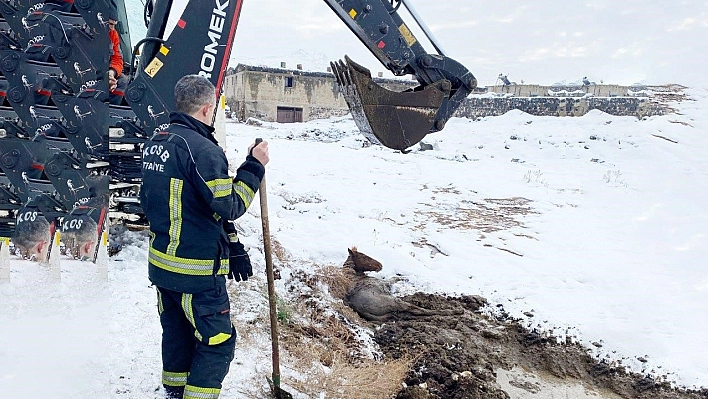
x: 350, y: 93
x: 396, y: 120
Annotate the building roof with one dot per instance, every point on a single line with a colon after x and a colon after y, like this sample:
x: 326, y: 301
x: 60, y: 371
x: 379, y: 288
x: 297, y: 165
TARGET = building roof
x: 311, y: 74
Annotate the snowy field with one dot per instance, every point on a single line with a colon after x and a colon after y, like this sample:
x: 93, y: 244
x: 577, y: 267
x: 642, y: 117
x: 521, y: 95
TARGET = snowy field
x: 594, y: 225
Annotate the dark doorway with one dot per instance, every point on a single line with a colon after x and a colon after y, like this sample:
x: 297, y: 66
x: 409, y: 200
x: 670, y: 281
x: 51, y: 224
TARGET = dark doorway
x: 289, y: 115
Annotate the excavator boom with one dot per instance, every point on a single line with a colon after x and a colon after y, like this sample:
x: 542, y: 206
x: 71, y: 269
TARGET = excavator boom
x: 201, y: 43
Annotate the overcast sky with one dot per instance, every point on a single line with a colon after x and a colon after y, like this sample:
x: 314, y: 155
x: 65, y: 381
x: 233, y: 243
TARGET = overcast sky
x: 549, y: 41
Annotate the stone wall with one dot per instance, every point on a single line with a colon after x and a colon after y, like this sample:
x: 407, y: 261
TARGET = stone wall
x: 325, y: 112
x: 476, y: 106
x: 257, y: 92
x: 602, y: 90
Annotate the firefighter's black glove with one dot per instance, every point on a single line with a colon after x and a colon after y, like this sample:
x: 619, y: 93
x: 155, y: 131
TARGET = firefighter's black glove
x: 239, y: 263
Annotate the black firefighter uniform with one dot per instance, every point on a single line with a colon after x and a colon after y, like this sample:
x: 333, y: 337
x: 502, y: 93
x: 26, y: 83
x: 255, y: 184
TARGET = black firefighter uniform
x: 186, y: 195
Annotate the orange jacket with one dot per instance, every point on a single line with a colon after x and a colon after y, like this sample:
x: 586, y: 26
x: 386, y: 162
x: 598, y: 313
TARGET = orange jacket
x: 116, y: 62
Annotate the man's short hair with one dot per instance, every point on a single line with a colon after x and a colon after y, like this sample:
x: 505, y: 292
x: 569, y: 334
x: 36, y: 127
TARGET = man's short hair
x: 81, y: 233
x: 192, y: 92
x: 29, y: 232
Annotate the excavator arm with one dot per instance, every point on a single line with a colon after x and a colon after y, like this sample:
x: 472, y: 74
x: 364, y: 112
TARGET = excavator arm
x: 202, y: 39
x: 200, y: 43
x: 398, y: 120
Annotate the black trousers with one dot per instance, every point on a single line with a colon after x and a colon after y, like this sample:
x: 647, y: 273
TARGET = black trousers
x: 198, y: 340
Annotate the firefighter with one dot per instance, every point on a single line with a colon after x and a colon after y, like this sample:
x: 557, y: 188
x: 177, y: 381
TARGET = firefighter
x: 189, y: 198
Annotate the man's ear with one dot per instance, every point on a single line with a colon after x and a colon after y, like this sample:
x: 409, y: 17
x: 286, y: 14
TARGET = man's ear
x: 87, y: 247
x: 205, y: 109
x: 38, y: 247
x: 36, y: 251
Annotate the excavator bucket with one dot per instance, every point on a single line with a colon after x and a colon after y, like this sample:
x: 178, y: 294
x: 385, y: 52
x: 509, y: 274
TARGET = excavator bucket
x: 396, y: 120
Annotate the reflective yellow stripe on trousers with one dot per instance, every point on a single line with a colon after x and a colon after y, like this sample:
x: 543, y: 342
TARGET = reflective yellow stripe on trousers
x: 189, y: 312
x: 160, y: 305
x: 192, y: 392
x: 173, y: 379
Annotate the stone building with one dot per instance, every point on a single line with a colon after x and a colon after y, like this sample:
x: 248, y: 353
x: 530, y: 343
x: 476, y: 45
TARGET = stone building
x: 284, y: 95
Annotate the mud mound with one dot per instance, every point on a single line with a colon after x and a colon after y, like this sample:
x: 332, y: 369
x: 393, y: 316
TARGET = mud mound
x: 427, y: 346
x: 456, y: 356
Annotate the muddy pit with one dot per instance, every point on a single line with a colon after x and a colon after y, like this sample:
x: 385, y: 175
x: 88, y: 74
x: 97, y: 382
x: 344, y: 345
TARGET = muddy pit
x: 470, y: 355
x: 456, y: 351
x: 443, y: 347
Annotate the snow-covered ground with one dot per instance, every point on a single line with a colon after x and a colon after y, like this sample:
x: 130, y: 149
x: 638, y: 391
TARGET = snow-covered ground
x: 53, y: 335
x: 595, y: 225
